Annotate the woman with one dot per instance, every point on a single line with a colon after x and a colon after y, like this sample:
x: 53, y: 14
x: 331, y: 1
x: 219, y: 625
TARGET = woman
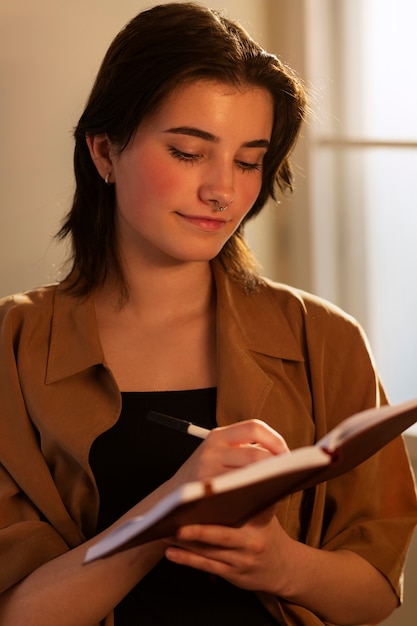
x: 186, y: 134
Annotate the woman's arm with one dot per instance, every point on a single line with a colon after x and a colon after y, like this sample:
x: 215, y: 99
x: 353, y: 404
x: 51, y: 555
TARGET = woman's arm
x: 339, y: 586
x: 64, y: 591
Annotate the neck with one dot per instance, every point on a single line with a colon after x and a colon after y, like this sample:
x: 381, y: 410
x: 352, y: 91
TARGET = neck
x: 160, y: 291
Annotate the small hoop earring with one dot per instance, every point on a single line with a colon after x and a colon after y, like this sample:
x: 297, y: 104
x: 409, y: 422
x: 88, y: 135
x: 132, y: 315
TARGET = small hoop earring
x: 107, y: 179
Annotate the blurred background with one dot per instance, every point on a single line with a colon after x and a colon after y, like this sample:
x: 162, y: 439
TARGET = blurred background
x: 348, y: 233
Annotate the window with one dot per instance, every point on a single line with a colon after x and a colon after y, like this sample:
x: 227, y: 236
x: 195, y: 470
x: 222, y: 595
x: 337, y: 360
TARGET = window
x: 363, y: 173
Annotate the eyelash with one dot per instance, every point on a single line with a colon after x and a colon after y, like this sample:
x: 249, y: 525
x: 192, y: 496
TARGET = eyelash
x: 186, y: 157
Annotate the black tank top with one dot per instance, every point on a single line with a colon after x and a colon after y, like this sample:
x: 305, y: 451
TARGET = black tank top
x: 129, y: 461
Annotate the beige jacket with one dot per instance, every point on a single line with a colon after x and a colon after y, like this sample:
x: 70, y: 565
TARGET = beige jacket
x: 284, y: 356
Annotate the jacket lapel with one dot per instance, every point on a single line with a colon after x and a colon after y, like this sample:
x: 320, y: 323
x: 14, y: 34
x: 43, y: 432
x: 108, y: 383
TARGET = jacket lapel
x: 247, y: 326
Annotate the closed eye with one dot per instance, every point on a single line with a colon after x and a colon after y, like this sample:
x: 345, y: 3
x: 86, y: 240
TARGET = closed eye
x: 192, y: 157
x: 187, y: 157
x: 249, y: 167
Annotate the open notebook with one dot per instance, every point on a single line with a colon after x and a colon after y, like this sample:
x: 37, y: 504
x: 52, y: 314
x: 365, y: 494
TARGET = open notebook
x: 232, y: 498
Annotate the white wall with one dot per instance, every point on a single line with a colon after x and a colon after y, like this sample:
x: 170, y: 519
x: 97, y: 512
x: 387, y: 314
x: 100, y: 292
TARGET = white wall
x: 49, y: 54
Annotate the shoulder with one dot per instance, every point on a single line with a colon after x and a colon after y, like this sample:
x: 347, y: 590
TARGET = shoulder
x: 27, y: 306
x: 326, y: 327
x: 273, y: 296
x: 312, y: 308
x: 336, y: 349
x: 275, y: 308
x: 286, y: 321
x: 25, y: 327
x: 299, y: 308
x: 33, y: 297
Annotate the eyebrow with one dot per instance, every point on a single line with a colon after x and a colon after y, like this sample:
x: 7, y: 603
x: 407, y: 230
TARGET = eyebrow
x: 206, y: 136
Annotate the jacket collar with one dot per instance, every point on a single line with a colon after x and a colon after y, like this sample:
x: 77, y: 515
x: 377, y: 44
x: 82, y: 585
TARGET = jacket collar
x: 75, y: 344
x: 245, y: 324
x: 262, y: 323
x: 252, y: 330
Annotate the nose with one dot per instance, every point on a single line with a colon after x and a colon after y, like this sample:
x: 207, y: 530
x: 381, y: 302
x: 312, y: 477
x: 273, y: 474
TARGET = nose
x: 218, y: 189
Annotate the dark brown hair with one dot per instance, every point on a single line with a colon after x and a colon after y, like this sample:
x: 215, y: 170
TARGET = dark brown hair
x: 159, y: 49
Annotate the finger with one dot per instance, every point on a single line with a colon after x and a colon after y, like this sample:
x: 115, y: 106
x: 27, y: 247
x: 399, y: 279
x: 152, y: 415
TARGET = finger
x: 210, y: 546
x: 235, y: 457
x: 208, y: 534
x: 228, y: 562
x: 252, y: 432
x: 198, y: 560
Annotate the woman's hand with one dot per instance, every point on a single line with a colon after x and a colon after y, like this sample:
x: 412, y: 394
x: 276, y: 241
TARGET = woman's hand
x: 247, y: 556
x: 231, y: 447
x: 339, y: 586
x: 250, y: 556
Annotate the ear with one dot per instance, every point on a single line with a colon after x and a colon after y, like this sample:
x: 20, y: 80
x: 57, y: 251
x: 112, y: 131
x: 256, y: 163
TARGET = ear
x: 100, y: 152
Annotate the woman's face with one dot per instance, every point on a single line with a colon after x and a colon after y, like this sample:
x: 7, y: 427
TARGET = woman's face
x: 202, y: 149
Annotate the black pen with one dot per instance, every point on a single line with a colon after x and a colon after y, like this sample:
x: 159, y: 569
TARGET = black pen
x: 173, y: 422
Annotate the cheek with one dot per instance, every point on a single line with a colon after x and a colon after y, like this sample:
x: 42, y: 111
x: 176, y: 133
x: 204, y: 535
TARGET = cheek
x: 250, y: 194
x: 157, y: 179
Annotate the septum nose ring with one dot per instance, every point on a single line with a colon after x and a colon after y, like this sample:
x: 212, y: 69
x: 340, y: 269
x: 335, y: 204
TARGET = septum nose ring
x: 221, y: 208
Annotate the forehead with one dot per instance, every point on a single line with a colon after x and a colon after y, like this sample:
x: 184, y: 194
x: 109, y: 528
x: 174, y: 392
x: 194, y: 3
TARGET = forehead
x: 215, y: 105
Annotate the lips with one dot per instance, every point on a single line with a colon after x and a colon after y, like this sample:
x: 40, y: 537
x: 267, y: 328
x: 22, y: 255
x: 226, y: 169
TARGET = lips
x: 209, y: 224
